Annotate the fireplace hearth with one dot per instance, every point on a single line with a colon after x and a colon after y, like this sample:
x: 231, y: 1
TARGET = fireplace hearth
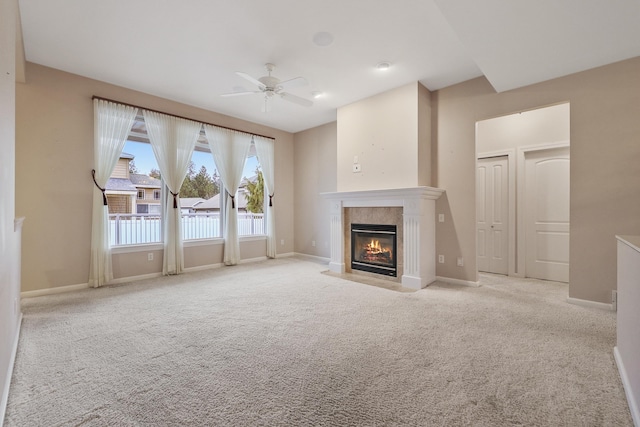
x: 374, y: 248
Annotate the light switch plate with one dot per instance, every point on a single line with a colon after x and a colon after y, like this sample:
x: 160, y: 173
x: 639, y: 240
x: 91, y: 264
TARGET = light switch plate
x: 356, y: 168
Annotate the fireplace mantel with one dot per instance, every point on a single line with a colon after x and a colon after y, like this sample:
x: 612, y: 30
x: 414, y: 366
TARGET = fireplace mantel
x: 419, y: 223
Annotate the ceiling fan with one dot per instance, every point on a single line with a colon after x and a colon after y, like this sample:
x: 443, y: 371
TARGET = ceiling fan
x: 271, y: 86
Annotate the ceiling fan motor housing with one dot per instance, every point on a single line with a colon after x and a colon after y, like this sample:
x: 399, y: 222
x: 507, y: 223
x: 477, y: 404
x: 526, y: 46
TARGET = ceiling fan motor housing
x: 269, y: 82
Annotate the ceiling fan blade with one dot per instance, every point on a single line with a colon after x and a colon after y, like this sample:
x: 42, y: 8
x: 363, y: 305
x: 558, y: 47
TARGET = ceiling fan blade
x: 251, y: 79
x: 296, y: 99
x: 241, y: 93
x: 295, y: 82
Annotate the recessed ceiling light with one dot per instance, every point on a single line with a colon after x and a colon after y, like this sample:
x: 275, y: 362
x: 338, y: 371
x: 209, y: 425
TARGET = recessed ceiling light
x: 317, y: 94
x: 322, y: 39
x: 383, y: 66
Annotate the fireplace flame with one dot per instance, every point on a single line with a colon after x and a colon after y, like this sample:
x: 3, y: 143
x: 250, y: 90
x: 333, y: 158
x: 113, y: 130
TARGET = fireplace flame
x: 375, y: 248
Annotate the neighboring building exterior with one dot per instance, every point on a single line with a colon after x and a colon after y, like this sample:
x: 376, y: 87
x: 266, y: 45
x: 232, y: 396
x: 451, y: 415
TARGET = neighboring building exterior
x: 120, y: 190
x: 213, y: 204
x: 189, y: 204
x: 148, y: 193
x: 129, y: 193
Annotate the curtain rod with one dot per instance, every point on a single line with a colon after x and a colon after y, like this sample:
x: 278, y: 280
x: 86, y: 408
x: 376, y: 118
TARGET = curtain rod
x: 180, y: 117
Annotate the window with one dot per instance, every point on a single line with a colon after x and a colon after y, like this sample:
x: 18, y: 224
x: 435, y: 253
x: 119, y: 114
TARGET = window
x: 141, y: 223
x: 203, y: 187
x: 201, y: 202
x: 250, y: 198
x: 200, y: 196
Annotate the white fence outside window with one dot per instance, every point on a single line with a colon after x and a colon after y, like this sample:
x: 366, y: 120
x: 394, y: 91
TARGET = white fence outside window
x: 138, y: 229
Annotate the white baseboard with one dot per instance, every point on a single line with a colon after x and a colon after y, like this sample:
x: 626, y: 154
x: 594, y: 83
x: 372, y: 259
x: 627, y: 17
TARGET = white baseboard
x: 203, y: 267
x: 287, y: 255
x: 122, y: 280
x: 628, y: 391
x: 219, y: 265
x: 313, y: 257
x: 457, y: 281
x: 591, y: 304
x: 249, y: 260
x: 7, y: 384
x: 52, y: 291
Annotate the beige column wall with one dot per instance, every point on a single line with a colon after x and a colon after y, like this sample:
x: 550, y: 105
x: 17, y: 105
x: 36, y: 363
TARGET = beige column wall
x: 315, y: 172
x: 605, y: 178
x: 390, y: 141
x: 54, y: 158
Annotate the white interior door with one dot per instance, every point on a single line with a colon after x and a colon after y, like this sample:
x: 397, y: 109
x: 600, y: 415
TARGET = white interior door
x: 493, y: 214
x: 547, y: 214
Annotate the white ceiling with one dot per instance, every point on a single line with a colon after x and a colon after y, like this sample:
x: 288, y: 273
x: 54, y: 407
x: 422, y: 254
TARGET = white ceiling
x: 189, y: 51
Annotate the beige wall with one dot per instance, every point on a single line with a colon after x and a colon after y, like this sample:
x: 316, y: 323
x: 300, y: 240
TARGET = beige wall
x: 9, y: 244
x: 54, y: 133
x: 605, y: 183
x: 605, y: 179
x: 315, y: 172
x: 383, y: 131
x: 545, y: 125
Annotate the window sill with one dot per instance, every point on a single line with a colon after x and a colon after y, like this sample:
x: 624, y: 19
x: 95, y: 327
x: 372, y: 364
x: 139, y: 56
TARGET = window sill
x: 203, y: 242
x: 253, y: 238
x: 187, y: 244
x: 136, y: 248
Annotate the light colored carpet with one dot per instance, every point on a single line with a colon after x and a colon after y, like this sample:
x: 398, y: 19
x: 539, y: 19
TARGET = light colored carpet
x: 278, y: 343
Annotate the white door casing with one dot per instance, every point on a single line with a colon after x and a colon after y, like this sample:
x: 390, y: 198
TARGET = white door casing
x: 546, y: 214
x: 493, y: 214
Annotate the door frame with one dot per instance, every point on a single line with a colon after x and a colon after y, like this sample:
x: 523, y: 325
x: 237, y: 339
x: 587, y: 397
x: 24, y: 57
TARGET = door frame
x: 511, y: 164
x: 521, y: 227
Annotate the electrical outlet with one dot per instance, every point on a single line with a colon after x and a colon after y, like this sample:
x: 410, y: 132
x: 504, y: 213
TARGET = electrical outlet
x: 313, y: 243
x: 440, y: 217
x: 282, y: 242
x: 150, y: 256
x: 460, y: 262
x: 441, y: 259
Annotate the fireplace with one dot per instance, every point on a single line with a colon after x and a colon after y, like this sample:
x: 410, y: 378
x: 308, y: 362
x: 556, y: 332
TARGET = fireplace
x: 416, y: 258
x: 374, y: 248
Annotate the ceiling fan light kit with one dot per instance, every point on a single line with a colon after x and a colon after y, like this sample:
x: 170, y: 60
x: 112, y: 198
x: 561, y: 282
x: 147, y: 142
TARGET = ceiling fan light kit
x: 269, y: 86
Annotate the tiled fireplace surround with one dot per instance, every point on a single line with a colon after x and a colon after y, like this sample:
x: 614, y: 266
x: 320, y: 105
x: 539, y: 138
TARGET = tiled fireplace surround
x: 411, y: 209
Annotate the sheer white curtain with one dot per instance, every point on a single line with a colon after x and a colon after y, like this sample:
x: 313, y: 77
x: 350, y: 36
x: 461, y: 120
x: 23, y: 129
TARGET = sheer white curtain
x: 229, y: 149
x: 266, y: 154
x: 172, y: 140
x: 111, y: 125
